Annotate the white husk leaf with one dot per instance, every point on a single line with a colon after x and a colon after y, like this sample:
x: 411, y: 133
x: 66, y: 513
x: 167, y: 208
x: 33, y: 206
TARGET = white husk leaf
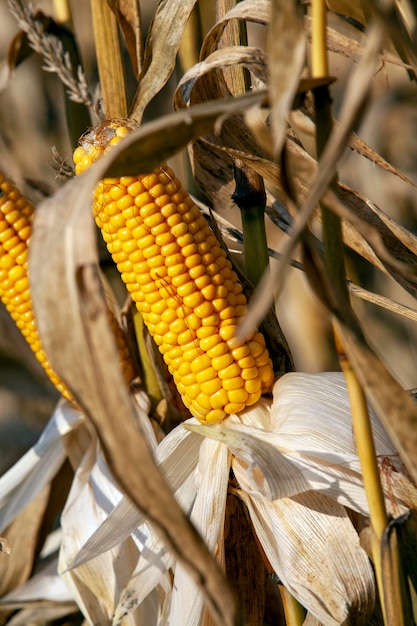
x: 313, y: 547
x: 27, y: 478
x: 208, y: 514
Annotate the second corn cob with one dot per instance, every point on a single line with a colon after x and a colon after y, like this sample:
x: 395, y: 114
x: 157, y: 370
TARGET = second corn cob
x: 182, y: 283
x: 16, y: 217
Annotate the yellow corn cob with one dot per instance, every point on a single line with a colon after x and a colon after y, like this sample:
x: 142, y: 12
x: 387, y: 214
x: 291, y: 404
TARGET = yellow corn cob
x: 16, y: 216
x: 181, y: 281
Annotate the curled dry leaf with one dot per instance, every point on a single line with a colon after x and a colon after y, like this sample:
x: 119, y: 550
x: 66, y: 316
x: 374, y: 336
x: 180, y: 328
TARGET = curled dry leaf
x: 129, y: 17
x: 161, y: 49
x: 287, y: 47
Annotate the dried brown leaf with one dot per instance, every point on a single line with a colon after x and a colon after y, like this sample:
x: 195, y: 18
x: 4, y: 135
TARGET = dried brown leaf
x: 286, y: 45
x: 161, y: 49
x: 145, y: 148
x: 17, y: 52
x: 69, y: 296
x: 23, y: 535
x: 251, y: 58
x: 129, y: 17
x: 258, y: 11
x: 348, y: 8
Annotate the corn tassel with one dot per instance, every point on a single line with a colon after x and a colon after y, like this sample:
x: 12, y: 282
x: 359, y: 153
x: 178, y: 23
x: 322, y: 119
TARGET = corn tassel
x: 181, y: 281
x: 16, y: 216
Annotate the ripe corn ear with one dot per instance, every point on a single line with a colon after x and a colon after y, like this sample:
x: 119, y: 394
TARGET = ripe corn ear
x: 16, y: 216
x: 181, y: 281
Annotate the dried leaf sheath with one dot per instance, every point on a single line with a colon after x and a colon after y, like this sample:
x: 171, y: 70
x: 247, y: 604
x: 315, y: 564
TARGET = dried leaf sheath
x: 182, y: 283
x: 16, y: 216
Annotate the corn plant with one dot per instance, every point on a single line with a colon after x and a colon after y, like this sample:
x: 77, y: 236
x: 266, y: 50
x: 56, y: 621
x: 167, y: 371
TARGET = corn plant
x: 192, y: 472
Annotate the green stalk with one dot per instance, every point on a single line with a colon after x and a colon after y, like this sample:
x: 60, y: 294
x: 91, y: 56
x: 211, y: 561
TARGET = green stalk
x: 250, y: 197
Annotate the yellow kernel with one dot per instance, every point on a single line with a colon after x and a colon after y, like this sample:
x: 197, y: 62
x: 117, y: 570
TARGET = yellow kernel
x: 185, y: 337
x: 193, y: 300
x: 159, y: 307
x: 202, y: 281
x: 211, y: 386
x: 220, y: 304
x: 206, y: 375
x: 16, y: 273
x: 174, y: 219
x: 193, y: 321
x: 168, y: 315
x: 217, y: 351
x: 198, y: 271
x: 209, y: 292
x: 164, y: 239
x: 192, y: 391
x: 254, y: 385
x: 249, y: 372
x: 193, y: 261
x: 223, y: 362
x: 191, y: 353
x: 184, y: 369
x: 175, y: 261
x: 200, y: 363
x: 125, y: 202
x: 22, y: 284
x: 263, y: 359
x: 156, y: 262
x: 214, y: 416
x: 151, y: 251
x: 209, y: 342
x: 144, y: 241
x: 219, y: 398
x: 135, y: 188
x: 204, y: 310
x: 189, y: 378
x: 203, y: 400
x: 190, y: 249
x: 170, y: 338
x: 266, y: 374
x: 256, y: 349
x: 186, y: 289
x: 233, y: 408
x: 241, y: 352
x: 154, y: 221
x: 180, y: 280
x: 198, y: 411
x: 150, y: 298
x: 157, y: 190
x: 169, y: 249
x: 233, y: 383
x: 237, y: 395
x: 143, y: 199
x: 178, y: 326
x: 228, y: 332
x: 179, y: 230
x: 117, y: 192
x: 230, y: 371
x: 246, y: 362
x: 211, y: 320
